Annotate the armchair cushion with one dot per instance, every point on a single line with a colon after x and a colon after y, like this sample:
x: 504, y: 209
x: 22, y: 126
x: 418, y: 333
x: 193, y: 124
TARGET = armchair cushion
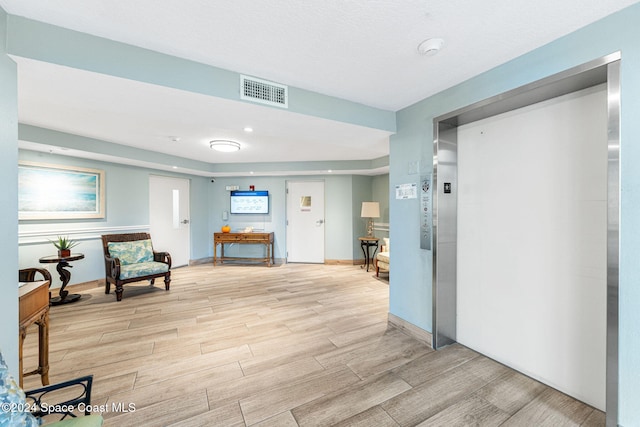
x: 88, y: 421
x: 141, y: 269
x: 382, y: 258
x: 133, y: 252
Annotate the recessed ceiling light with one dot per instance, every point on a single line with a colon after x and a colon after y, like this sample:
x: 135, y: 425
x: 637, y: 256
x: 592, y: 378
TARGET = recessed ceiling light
x: 175, y: 167
x: 248, y: 129
x: 430, y: 47
x: 175, y: 138
x: 224, y: 145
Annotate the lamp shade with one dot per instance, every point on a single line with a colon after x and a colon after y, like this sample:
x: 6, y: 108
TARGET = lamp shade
x: 370, y: 210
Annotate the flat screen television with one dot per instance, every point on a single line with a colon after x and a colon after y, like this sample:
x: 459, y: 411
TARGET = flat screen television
x: 249, y: 202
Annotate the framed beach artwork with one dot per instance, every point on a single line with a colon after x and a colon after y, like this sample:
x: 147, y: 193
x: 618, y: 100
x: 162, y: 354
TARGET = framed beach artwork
x: 59, y: 192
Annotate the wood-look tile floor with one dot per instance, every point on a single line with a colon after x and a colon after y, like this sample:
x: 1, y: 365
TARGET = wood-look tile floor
x: 290, y: 345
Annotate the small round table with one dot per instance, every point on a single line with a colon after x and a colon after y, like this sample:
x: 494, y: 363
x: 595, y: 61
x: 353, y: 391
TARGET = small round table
x: 368, y: 242
x: 65, y: 276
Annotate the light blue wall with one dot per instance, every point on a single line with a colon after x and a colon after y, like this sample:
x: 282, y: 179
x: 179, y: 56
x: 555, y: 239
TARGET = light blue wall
x: 362, y: 192
x: 338, y: 213
x: 127, y: 204
x: 410, y: 287
x: 369, y: 189
x: 339, y: 224
x: 9, y: 203
x: 201, y: 225
x: 272, y: 222
x: 381, y: 194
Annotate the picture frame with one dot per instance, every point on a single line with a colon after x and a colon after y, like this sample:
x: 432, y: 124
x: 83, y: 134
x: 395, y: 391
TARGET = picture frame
x: 47, y: 191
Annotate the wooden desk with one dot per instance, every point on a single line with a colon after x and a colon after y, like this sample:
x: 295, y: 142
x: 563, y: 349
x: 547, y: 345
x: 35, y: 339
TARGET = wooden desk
x: 265, y: 239
x: 34, y: 308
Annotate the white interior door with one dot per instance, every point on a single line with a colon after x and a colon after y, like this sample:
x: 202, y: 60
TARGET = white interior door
x: 305, y: 221
x: 532, y: 230
x: 169, y: 217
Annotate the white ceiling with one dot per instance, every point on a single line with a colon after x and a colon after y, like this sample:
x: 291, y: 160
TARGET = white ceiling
x: 359, y: 50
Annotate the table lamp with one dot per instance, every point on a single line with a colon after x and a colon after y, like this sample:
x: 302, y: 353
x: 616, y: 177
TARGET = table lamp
x: 370, y: 210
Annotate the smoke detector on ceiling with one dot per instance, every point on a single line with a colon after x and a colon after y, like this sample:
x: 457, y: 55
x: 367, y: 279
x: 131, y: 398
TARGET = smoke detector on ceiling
x: 430, y: 47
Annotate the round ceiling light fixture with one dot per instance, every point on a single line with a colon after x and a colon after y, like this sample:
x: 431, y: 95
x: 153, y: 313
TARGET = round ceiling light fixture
x: 224, y: 145
x: 430, y: 47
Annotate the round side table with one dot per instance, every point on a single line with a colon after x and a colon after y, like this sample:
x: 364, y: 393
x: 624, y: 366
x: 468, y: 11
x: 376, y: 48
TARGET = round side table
x: 365, y: 244
x: 65, y: 276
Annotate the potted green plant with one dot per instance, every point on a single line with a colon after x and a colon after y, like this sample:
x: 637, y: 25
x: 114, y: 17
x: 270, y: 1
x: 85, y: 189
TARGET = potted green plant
x: 64, y: 245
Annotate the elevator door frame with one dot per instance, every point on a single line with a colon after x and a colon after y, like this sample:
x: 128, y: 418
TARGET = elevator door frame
x: 445, y: 166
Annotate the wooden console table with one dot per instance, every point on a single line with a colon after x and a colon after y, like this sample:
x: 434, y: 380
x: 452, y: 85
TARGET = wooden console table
x: 265, y: 239
x: 34, y: 308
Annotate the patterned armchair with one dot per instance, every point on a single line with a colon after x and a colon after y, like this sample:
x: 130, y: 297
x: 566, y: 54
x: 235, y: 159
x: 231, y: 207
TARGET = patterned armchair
x: 131, y: 258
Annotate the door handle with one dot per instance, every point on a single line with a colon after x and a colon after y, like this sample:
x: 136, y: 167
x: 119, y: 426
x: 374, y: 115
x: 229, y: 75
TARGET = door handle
x: 320, y: 222
x: 184, y: 221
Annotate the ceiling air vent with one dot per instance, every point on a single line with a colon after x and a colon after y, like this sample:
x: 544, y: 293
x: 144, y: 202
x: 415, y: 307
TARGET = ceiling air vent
x: 264, y: 92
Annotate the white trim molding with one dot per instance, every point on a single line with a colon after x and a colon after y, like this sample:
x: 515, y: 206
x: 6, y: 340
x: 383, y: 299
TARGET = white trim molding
x: 32, y: 237
x: 381, y: 226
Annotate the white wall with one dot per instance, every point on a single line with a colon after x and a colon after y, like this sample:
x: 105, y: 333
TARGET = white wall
x: 532, y: 225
